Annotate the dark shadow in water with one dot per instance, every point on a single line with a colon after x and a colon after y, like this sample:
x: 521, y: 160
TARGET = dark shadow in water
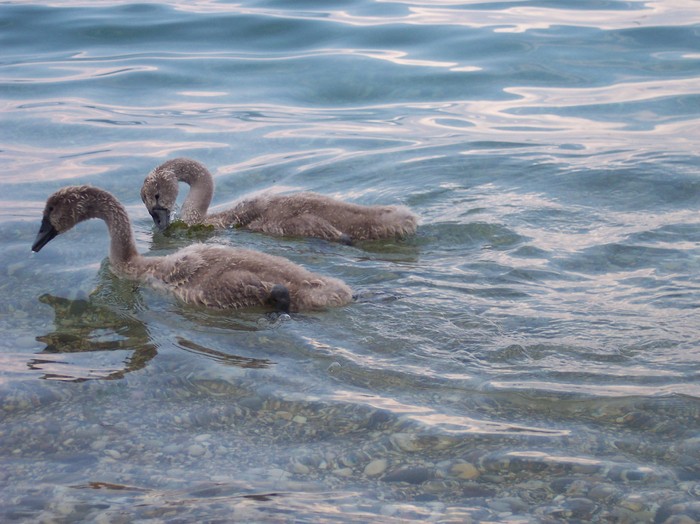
x: 103, y: 321
x: 110, y: 486
x: 313, y: 503
x: 106, y: 320
x: 179, y: 232
x: 225, y: 358
x: 207, y: 492
x: 405, y: 250
x: 81, y: 325
x: 223, y: 321
x: 393, y: 250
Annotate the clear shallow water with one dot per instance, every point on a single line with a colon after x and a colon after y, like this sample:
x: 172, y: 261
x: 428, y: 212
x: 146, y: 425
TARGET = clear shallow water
x: 532, y: 354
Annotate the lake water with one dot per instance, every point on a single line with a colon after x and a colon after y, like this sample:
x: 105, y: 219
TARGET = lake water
x: 531, y: 355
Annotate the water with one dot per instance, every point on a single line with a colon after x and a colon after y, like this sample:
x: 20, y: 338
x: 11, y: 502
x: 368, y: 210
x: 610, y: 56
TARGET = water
x: 532, y: 354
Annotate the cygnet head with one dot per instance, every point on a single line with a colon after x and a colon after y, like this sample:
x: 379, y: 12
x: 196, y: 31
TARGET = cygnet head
x: 159, y: 194
x: 64, y: 209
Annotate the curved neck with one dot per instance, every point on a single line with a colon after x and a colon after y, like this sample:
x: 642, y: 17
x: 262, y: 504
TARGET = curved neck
x: 122, y: 248
x: 201, y: 183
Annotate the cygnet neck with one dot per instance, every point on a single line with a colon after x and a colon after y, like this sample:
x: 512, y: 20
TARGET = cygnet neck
x: 122, y: 250
x: 201, y: 183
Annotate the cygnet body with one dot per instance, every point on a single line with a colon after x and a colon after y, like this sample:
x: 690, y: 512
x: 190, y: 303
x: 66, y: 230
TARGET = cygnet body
x: 209, y: 275
x: 301, y: 214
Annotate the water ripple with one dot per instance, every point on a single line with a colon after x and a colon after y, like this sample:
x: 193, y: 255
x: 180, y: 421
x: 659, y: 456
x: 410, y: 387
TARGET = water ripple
x: 531, y: 353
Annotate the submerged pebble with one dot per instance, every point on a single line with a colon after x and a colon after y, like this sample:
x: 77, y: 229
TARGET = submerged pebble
x: 411, y: 475
x: 196, y: 450
x: 602, y: 492
x: 301, y: 469
x: 376, y: 467
x: 405, y: 442
x: 464, y: 470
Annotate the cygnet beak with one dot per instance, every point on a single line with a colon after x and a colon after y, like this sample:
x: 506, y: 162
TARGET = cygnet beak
x: 161, y: 217
x: 46, y: 233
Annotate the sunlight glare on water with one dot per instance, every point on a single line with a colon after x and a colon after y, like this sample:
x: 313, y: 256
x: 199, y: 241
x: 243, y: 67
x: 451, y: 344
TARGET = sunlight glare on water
x: 530, y: 355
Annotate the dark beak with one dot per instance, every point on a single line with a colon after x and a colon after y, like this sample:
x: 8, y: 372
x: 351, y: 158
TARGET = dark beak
x: 161, y: 217
x: 46, y: 233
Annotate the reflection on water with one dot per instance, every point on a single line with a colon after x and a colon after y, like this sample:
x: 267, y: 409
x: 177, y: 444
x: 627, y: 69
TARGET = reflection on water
x: 530, y: 356
x: 108, y: 320
x: 83, y: 326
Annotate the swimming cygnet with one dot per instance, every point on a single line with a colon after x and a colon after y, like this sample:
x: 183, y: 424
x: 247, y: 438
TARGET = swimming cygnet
x: 300, y: 214
x: 203, y: 274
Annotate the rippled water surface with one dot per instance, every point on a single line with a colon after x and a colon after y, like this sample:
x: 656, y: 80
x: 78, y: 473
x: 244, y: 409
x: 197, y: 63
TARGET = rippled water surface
x: 531, y: 355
